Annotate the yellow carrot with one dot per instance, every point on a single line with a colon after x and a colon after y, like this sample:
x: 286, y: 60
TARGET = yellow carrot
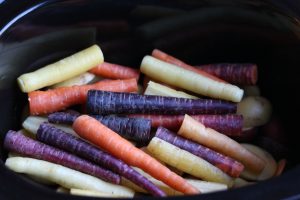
x: 61, y: 70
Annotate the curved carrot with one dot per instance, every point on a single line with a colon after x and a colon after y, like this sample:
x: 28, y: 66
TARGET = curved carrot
x: 172, y: 60
x: 92, y: 130
x: 115, y: 71
x: 43, y: 102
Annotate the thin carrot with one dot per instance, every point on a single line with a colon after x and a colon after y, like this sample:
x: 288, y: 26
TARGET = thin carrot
x: 115, y: 71
x: 43, y: 102
x: 92, y: 130
x: 172, y: 60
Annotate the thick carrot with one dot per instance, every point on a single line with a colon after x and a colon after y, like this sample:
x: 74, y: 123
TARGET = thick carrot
x: 240, y: 74
x: 170, y: 59
x: 62, y: 70
x: 197, y: 132
x: 135, y: 129
x: 102, y: 102
x: 229, y: 124
x: 43, y: 102
x: 115, y: 71
x: 92, y: 130
x: 224, y: 163
x: 17, y: 142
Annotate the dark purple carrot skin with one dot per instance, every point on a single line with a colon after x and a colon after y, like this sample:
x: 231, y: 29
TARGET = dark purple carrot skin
x: 101, y: 102
x: 240, y: 74
x: 230, y: 124
x: 62, y: 117
x: 224, y: 163
x: 136, y: 129
x: 17, y: 142
x: 58, y: 138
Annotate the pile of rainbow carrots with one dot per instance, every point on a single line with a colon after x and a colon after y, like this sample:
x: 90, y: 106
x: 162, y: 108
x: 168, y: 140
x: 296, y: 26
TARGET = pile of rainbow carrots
x: 177, y: 134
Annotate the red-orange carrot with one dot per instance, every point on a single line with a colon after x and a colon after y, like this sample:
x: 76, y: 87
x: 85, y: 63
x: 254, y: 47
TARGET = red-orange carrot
x: 115, y: 71
x: 92, y: 130
x: 170, y: 59
x: 44, y: 102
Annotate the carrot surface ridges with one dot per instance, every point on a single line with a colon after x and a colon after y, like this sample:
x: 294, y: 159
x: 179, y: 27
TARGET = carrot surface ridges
x: 240, y: 74
x: 47, y: 133
x: 17, y: 142
x: 136, y: 129
x: 102, y: 102
x: 43, y: 102
x: 114, y: 71
x: 92, y: 130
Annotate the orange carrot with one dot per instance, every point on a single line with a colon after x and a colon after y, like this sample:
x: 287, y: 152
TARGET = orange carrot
x: 114, y: 71
x: 43, y: 102
x: 92, y: 130
x: 172, y: 60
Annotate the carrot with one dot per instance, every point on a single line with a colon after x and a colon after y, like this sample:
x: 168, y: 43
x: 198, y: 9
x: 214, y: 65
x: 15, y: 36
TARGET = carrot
x: 229, y: 124
x: 102, y: 102
x: 172, y: 60
x: 92, y: 130
x: 62, y: 70
x: 240, y: 74
x: 43, y: 102
x: 197, y: 132
x: 189, y: 80
x: 115, y: 71
x: 135, y: 129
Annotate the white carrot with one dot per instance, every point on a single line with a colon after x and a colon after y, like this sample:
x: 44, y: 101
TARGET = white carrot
x: 161, y: 90
x: 186, y: 79
x: 64, y: 176
x: 196, y: 131
x: 187, y: 162
x: 61, y: 70
x: 90, y: 193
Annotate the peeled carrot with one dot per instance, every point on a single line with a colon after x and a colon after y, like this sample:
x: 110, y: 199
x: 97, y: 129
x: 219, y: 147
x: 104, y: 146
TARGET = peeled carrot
x: 197, y: 132
x: 115, y: 71
x: 43, y: 102
x: 92, y: 130
x: 172, y: 60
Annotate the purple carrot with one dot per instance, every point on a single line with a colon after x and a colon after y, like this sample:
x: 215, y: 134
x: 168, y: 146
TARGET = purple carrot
x: 230, y: 124
x: 136, y: 129
x: 56, y: 137
x: 62, y: 117
x: 226, y: 164
x: 18, y: 143
x: 240, y: 74
x: 101, y: 102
